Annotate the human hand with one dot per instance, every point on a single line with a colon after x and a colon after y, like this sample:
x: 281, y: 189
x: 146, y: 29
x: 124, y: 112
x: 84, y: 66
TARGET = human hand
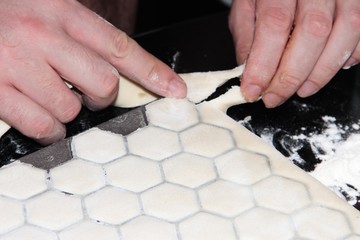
x: 43, y: 43
x: 293, y: 46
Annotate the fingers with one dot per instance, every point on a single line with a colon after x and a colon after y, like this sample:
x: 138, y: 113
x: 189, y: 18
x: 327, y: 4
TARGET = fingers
x: 28, y: 117
x: 53, y: 96
x: 340, y: 47
x: 123, y: 52
x: 273, y: 25
x: 313, y: 26
x: 92, y: 75
x: 242, y: 26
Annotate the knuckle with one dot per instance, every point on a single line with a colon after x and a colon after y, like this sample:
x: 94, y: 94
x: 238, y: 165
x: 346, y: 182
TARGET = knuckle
x: 290, y: 81
x: 71, y: 112
x: 278, y: 18
x: 328, y: 69
x: 110, y: 84
x: 318, y: 24
x: 259, y: 73
x: 121, y: 45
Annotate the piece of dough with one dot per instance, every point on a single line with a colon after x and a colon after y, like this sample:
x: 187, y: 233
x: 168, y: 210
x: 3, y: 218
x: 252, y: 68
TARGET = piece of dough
x: 4, y: 127
x: 200, y: 86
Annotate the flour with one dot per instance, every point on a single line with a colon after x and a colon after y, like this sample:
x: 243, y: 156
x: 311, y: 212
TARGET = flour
x: 336, y: 153
x: 341, y: 171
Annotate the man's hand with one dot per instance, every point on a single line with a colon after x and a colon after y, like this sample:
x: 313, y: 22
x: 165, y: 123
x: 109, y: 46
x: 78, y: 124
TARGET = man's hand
x: 293, y: 46
x: 43, y: 43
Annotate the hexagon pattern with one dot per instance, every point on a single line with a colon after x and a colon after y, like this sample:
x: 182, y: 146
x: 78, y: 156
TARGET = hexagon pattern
x: 179, y: 178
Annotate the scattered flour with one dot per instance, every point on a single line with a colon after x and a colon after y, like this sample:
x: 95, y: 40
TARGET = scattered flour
x: 337, y: 152
x: 341, y: 171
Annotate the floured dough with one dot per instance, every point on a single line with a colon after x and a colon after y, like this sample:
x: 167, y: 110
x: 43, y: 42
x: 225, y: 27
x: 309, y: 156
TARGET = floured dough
x: 200, y: 86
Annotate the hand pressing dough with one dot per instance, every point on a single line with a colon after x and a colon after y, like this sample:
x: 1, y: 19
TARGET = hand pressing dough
x: 200, y: 86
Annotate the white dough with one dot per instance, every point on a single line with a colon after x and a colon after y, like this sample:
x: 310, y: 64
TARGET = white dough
x: 4, y: 127
x: 200, y: 86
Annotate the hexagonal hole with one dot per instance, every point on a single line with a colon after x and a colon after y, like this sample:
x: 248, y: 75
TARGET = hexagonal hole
x: 169, y: 202
x: 260, y: 223
x: 189, y: 170
x: 89, y: 230
x: 226, y: 198
x: 242, y: 167
x: 281, y: 194
x: 22, y: 181
x: 145, y: 227
x: 206, y: 226
x: 334, y: 225
x: 54, y: 211
x: 112, y: 205
x: 27, y: 232
x: 133, y: 173
x: 12, y: 215
x: 78, y: 177
x: 154, y: 143
x: 173, y: 114
x: 206, y: 140
x: 98, y: 146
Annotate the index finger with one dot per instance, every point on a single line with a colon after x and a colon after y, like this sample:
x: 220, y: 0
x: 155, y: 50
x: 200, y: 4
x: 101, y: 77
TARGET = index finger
x: 122, y: 52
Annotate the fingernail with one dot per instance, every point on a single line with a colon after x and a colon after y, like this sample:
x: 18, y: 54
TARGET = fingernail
x: 307, y: 89
x: 252, y: 93
x: 59, y: 133
x: 177, y: 88
x: 272, y: 100
x: 350, y: 63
